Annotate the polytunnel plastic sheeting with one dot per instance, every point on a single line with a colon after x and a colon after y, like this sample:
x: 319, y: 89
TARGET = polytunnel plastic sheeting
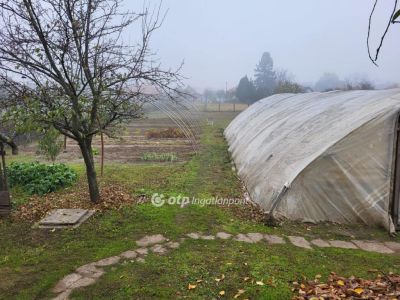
x: 334, y: 150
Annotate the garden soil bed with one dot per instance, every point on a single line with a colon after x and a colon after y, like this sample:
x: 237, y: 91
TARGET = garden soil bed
x: 131, y: 144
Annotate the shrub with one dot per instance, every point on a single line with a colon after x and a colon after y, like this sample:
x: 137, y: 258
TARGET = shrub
x: 169, y: 133
x: 152, y: 156
x: 95, y: 151
x: 40, y: 179
x: 50, y: 144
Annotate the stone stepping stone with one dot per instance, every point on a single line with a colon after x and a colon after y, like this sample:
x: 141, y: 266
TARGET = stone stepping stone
x: 151, y: 240
x: 207, y: 237
x: 129, y: 254
x: 320, y: 243
x: 393, y: 245
x: 158, y: 249
x: 243, y: 238
x: 373, y: 246
x: 224, y: 235
x: 299, y: 241
x: 83, y: 282
x: 172, y: 245
x: 274, y: 239
x: 90, y: 270
x: 63, y: 295
x: 88, y: 274
x: 194, y: 235
x: 342, y: 244
x: 66, y: 283
x: 142, y: 251
x: 255, y: 237
x: 109, y: 261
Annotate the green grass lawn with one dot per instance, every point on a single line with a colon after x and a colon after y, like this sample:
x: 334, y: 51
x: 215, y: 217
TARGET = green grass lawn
x: 33, y: 260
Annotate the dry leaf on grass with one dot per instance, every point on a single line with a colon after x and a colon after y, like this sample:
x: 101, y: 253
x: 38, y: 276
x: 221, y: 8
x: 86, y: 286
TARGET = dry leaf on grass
x: 113, y: 197
x: 383, y: 287
x: 239, y: 293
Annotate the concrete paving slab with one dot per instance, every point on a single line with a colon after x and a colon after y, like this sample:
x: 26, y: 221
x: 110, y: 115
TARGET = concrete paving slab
x: 373, y: 246
x: 274, y: 239
x: 64, y: 295
x: 395, y: 246
x: 129, y: 254
x: 320, y: 243
x: 207, y: 237
x: 243, y: 238
x: 255, y: 237
x: 343, y: 244
x: 158, y: 249
x: 142, y: 251
x: 224, y: 235
x: 83, y: 282
x: 65, y: 218
x: 193, y: 235
x: 90, y: 270
x: 65, y: 283
x: 299, y: 241
x: 172, y: 245
x: 109, y: 261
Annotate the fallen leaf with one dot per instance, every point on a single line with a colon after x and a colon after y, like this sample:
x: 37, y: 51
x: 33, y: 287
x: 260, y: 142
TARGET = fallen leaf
x: 359, y: 291
x: 239, y: 293
x: 260, y: 283
x: 191, y: 286
x: 220, y: 279
x: 222, y: 293
x: 340, y: 282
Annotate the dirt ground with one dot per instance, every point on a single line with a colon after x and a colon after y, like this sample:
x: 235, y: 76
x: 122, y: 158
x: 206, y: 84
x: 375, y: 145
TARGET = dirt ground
x: 129, y: 146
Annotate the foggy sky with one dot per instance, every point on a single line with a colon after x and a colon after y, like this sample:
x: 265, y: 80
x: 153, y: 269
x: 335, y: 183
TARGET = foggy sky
x: 222, y: 40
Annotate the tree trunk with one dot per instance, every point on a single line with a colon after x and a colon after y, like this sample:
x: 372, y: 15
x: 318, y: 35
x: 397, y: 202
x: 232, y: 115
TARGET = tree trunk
x: 10, y: 142
x: 14, y: 149
x: 86, y: 149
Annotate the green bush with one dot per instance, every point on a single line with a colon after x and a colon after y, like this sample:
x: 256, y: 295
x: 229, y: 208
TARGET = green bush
x: 95, y: 151
x: 40, y: 179
x: 50, y: 144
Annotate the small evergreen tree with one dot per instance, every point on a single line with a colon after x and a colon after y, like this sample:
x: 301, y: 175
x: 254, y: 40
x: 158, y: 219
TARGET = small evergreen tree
x: 246, y: 91
x: 265, y: 76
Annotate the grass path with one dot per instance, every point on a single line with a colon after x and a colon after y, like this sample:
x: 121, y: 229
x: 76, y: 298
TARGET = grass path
x: 32, y: 261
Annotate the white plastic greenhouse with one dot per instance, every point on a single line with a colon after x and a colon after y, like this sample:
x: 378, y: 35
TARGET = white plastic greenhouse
x: 322, y: 156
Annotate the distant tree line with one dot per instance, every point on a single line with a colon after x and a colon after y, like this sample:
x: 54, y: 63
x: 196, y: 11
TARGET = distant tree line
x: 269, y: 81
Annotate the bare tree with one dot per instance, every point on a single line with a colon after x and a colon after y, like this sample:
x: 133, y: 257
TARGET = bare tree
x: 66, y: 65
x: 362, y: 84
x: 286, y: 84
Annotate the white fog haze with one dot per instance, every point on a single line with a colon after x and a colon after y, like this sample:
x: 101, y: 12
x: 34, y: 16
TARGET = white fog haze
x: 222, y: 41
